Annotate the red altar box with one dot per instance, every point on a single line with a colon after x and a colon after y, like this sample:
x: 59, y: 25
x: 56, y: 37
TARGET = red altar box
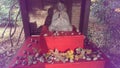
x: 42, y: 44
x: 63, y: 43
x: 65, y: 40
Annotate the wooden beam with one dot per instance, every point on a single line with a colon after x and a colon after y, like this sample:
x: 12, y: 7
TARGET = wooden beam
x: 25, y: 17
x: 84, y: 16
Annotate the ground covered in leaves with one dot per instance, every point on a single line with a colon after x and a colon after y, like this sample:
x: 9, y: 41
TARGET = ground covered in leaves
x: 104, y: 28
x: 6, y: 50
x: 106, y: 37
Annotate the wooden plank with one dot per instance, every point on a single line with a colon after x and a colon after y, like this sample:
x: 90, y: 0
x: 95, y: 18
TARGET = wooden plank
x: 84, y: 17
x: 25, y: 17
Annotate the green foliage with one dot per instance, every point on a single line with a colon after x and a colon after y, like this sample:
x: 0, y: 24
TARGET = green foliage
x: 5, y: 10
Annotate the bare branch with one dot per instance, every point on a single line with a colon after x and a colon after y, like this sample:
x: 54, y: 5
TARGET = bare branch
x: 15, y: 23
x: 19, y: 36
x: 10, y: 36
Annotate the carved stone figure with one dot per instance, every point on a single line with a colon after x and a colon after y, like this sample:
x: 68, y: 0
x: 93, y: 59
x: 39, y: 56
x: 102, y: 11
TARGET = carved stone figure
x: 60, y: 19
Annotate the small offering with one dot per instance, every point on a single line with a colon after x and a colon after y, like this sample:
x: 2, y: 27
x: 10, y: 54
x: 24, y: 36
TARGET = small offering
x: 54, y: 56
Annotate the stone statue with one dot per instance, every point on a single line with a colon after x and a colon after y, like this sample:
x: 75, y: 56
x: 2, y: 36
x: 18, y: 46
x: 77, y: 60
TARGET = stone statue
x: 60, y: 19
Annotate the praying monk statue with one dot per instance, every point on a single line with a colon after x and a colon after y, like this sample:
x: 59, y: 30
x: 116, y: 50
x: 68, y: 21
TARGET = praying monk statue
x: 60, y: 19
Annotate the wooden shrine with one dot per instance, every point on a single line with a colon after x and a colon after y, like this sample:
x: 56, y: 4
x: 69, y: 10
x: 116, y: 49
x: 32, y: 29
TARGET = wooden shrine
x: 57, y: 49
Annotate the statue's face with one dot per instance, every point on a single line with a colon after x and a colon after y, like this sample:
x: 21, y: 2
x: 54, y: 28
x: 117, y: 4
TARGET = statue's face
x: 60, y: 6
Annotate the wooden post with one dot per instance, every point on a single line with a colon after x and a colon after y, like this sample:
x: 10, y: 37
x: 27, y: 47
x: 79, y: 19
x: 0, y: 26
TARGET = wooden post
x: 84, y: 17
x: 25, y: 17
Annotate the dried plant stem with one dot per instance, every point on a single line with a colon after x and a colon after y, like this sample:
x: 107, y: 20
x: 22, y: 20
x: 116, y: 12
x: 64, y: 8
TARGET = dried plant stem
x: 10, y: 33
x: 19, y: 36
x: 9, y: 20
x: 15, y: 23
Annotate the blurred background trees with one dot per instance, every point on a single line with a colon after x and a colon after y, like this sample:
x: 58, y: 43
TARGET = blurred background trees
x: 104, y: 28
x: 9, y: 7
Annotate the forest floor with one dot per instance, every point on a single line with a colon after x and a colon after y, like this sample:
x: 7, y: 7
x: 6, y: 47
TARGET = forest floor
x: 6, y: 50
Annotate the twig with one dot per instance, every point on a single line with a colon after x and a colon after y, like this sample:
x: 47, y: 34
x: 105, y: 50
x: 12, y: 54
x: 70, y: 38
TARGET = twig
x: 15, y: 23
x: 10, y: 36
x: 19, y: 36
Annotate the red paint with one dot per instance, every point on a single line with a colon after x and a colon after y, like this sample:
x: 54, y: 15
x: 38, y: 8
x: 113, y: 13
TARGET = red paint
x: 63, y: 43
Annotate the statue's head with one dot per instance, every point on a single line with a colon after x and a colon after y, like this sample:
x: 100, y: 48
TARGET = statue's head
x: 61, y: 6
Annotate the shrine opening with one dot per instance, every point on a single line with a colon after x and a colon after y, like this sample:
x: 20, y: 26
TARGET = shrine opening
x: 37, y: 13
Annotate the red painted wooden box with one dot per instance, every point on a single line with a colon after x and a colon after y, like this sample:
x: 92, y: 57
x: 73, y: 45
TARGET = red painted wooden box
x: 60, y: 42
